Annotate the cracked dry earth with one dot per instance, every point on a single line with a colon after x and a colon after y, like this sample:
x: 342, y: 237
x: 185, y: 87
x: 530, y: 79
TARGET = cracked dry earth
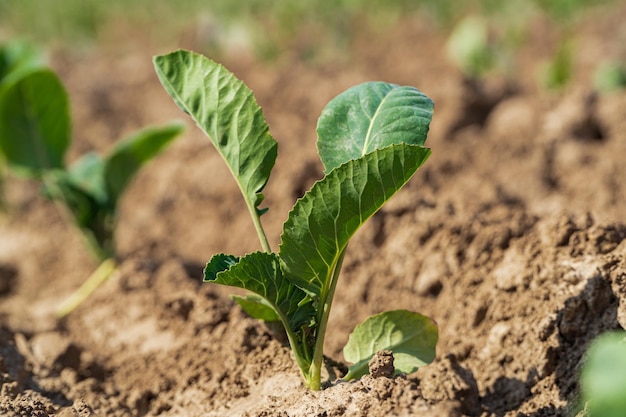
x: 511, y: 237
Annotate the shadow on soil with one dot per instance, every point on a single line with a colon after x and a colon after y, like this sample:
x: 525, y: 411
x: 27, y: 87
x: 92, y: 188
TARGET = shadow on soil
x: 582, y: 318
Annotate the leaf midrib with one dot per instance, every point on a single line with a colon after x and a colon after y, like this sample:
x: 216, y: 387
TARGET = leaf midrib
x: 369, y: 129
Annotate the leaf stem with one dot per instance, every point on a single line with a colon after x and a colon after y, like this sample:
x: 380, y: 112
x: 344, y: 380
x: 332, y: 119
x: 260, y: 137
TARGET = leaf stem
x: 256, y: 219
x: 100, y: 275
x: 353, y: 371
x: 299, y: 350
x: 298, y: 347
x: 315, y: 371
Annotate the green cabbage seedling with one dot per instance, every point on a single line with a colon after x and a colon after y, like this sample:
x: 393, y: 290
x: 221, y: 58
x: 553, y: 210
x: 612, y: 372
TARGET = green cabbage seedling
x: 35, y: 133
x: 370, y: 140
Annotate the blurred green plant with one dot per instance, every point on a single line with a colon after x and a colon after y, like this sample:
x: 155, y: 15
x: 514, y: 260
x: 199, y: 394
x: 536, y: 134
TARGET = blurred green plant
x: 557, y: 72
x: 609, y: 76
x: 603, y: 378
x: 469, y: 47
x: 267, y: 28
x: 566, y: 11
x: 484, y: 41
x: 77, y: 21
x: 35, y: 134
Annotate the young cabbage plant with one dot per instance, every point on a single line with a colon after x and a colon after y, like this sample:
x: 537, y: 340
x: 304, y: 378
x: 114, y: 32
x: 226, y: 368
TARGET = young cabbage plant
x: 35, y: 133
x: 370, y: 140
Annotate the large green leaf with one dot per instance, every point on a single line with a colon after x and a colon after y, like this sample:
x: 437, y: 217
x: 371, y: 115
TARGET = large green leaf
x: 260, y: 273
x: 226, y: 110
x: 410, y: 336
x: 131, y: 153
x: 323, y: 221
x: 35, y: 122
x: 371, y: 116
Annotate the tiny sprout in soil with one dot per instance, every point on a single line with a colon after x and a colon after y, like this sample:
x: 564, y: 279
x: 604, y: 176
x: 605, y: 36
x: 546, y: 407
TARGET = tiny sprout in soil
x: 35, y: 134
x: 370, y: 141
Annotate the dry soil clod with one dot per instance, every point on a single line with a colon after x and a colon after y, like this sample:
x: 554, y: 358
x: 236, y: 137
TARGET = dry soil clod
x: 381, y: 364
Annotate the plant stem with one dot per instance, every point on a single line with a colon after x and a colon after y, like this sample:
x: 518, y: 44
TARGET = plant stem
x: 100, y: 275
x: 96, y: 249
x: 315, y: 371
x: 302, y: 359
x: 256, y: 219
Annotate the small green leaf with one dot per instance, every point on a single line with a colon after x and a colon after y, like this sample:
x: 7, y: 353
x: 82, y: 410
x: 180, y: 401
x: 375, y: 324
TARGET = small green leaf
x: 219, y: 263
x: 74, y: 192
x: 603, y: 379
x: 323, y: 221
x: 35, y: 122
x: 256, y: 308
x: 87, y: 174
x: 80, y: 189
x: 227, y: 112
x: 410, y: 336
x: 129, y: 154
x: 371, y: 116
x: 260, y: 273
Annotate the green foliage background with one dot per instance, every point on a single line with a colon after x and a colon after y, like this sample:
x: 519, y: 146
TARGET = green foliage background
x: 279, y: 21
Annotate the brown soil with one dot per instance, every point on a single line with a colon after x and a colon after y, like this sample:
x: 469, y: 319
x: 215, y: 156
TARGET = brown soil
x: 511, y: 238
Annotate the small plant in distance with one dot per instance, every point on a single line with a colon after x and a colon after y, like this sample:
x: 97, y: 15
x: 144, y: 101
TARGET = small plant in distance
x: 370, y: 140
x: 35, y: 135
x: 470, y: 48
x: 609, y: 76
